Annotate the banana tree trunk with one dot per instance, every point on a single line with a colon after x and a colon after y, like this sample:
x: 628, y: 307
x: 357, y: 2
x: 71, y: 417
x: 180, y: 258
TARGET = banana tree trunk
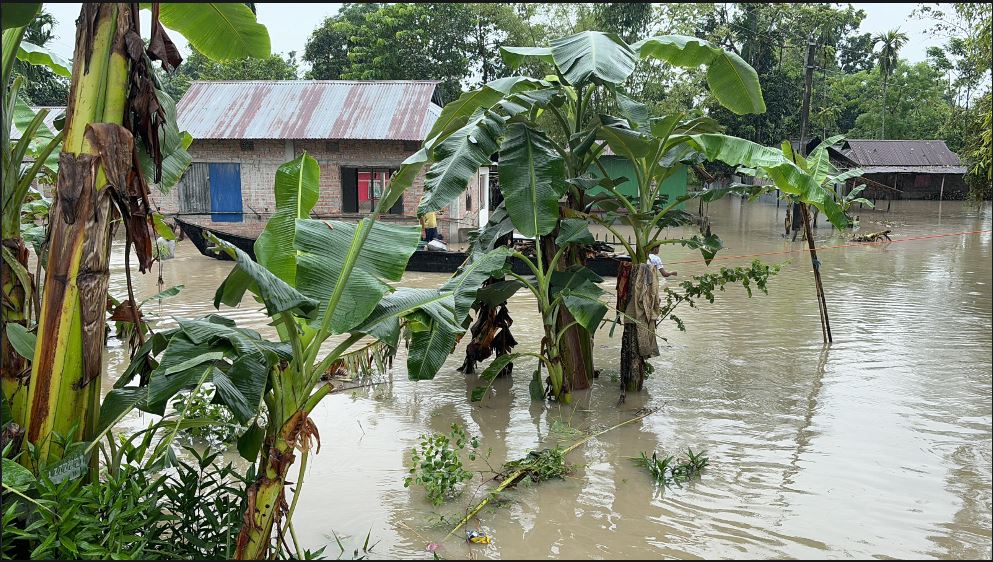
x: 267, y: 495
x: 576, y: 347
x: 16, y: 306
x: 64, y: 393
x: 637, y: 297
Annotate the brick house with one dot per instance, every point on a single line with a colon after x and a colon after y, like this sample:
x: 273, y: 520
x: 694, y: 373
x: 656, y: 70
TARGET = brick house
x: 359, y: 132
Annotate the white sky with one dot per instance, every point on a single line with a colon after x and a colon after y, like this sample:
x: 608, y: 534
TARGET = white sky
x: 291, y: 24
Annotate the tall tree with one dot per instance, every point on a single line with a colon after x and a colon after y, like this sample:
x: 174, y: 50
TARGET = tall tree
x: 328, y: 46
x: 414, y: 42
x: 889, y: 55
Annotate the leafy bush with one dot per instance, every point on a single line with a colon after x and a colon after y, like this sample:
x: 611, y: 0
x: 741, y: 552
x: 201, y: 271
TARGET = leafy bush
x: 195, y: 512
x: 437, y: 465
x: 199, y: 406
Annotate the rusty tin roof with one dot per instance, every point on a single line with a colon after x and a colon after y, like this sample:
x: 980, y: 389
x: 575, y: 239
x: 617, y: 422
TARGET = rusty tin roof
x: 309, y: 109
x: 924, y: 156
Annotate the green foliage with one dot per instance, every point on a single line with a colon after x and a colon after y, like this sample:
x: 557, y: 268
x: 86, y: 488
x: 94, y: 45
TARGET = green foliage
x: 455, y: 43
x: 328, y: 45
x: 671, y: 470
x: 132, y: 513
x: 222, y: 31
x: 437, y: 464
x: 539, y: 466
x: 197, y: 405
x: 413, y: 42
x: 979, y: 150
x: 44, y: 86
x: 705, y: 287
x: 199, y: 67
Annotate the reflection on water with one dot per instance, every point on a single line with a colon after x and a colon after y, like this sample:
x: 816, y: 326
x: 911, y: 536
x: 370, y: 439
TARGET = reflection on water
x: 877, y: 446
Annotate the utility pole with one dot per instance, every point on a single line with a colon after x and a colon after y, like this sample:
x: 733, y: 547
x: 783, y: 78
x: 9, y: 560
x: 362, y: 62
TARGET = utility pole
x: 804, y: 119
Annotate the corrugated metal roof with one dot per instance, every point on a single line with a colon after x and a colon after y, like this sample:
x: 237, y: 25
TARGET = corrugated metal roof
x: 54, y: 112
x: 915, y: 169
x: 930, y: 154
x: 309, y: 109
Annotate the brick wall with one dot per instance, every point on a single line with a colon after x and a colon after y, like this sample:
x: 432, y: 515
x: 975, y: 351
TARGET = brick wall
x: 258, y: 171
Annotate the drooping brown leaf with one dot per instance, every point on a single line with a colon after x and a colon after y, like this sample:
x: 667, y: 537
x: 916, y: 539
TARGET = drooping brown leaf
x: 161, y: 47
x: 86, y: 30
x: 126, y: 312
x: 114, y: 145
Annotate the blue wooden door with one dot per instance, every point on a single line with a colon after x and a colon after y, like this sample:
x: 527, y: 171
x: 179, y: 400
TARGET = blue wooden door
x: 225, y: 192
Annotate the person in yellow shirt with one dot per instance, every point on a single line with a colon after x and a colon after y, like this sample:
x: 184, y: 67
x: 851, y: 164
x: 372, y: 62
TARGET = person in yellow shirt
x: 429, y: 222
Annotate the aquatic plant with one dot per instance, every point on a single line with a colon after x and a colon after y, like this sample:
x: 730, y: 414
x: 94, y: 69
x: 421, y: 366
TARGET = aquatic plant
x: 704, y: 287
x: 549, y: 463
x: 436, y: 465
x: 671, y: 470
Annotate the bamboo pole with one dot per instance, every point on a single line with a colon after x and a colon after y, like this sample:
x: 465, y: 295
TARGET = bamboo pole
x: 804, y: 115
x: 821, y: 301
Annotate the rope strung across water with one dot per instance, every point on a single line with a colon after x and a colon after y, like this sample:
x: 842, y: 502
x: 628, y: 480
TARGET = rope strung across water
x: 823, y: 248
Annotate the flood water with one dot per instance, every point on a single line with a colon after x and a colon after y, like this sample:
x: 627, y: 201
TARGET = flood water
x: 876, y: 446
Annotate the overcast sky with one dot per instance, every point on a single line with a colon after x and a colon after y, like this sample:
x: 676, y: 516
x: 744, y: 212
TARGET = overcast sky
x: 290, y: 25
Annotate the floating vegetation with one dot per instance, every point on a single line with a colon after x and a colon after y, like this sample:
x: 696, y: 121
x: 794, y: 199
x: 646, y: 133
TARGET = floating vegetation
x: 537, y: 466
x: 671, y: 470
x: 437, y: 464
x: 873, y: 237
x: 544, y: 463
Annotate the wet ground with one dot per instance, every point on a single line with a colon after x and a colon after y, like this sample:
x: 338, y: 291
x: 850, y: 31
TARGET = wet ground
x: 876, y: 446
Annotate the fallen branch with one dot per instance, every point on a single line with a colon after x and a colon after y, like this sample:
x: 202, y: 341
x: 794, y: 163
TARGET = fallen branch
x: 516, y: 476
x: 873, y: 237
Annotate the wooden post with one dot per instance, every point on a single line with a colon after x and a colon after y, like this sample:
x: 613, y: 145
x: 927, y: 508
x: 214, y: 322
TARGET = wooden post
x: 941, y: 196
x: 804, y: 117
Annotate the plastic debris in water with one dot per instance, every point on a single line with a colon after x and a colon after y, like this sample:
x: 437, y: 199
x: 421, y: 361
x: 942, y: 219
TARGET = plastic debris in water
x: 478, y: 537
x: 431, y: 547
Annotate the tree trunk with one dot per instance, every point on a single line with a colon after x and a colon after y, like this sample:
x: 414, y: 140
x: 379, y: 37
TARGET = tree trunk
x: 64, y: 393
x: 14, y: 369
x: 576, y: 347
x: 632, y: 363
x: 267, y: 495
x: 882, y: 131
x: 634, y: 349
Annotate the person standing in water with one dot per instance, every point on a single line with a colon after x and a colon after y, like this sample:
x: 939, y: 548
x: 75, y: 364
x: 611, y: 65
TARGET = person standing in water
x: 654, y: 259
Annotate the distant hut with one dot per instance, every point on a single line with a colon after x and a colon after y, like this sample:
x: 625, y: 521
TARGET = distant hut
x: 906, y: 169
x: 359, y: 132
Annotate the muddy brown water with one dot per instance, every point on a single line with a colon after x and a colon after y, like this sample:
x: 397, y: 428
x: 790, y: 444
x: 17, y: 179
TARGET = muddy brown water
x: 877, y: 446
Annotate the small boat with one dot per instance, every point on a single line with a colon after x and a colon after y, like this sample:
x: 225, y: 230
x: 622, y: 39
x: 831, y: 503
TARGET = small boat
x: 422, y: 260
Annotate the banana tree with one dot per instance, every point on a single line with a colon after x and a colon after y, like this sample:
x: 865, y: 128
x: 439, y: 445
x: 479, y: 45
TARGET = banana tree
x: 655, y: 147
x: 119, y: 127
x: 24, y: 159
x: 574, y: 289
x: 587, y: 68
x: 325, y: 287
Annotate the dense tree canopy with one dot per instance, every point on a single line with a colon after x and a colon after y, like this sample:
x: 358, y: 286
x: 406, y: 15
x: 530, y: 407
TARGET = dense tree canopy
x: 199, y: 67
x: 945, y: 97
